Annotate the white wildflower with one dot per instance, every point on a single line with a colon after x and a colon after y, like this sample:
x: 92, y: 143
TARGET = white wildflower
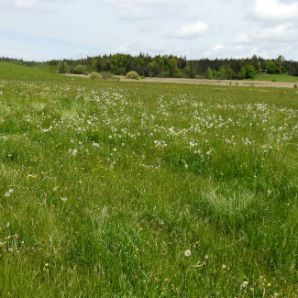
x: 244, y: 285
x: 95, y: 145
x: 209, y: 152
x: 187, y: 253
x: 73, y: 152
x: 9, y: 193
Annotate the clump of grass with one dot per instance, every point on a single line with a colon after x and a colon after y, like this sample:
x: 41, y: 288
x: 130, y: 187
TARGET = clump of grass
x: 295, y: 86
x: 95, y: 76
x: 133, y: 75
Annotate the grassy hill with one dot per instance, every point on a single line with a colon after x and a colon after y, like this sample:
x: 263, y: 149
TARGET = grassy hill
x: 12, y: 71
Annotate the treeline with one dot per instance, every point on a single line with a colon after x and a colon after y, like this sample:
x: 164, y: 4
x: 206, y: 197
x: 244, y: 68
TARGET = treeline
x: 20, y: 61
x: 178, y: 67
x: 170, y: 66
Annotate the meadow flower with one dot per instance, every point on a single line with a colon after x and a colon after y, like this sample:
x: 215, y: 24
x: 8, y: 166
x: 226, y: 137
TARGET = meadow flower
x: 46, y: 130
x: 209, y: 152
x: 160, y: 144
x: 247, y: 141
x: 95, y: 145
x: 73, y: 152
x: 187, y: 253
x: 9, y: 192
x: 244, y: 285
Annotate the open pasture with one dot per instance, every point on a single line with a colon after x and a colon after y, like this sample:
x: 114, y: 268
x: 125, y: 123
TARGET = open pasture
x: 113, y: 189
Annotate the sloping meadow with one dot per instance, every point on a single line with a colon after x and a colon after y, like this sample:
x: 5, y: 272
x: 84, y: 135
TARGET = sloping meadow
x: 144, y: 190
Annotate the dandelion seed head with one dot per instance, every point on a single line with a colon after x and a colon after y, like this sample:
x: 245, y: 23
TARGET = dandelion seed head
x: 9, y: 193
x: 187, y: 253
x: 244, y: 285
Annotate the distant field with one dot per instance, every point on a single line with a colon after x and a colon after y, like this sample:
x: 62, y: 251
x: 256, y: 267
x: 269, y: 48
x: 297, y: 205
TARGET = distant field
x: 20, y: 72
x: 115, y: 189
x: 276, y: 78
x: 237, y: 83
x: 240, y: 83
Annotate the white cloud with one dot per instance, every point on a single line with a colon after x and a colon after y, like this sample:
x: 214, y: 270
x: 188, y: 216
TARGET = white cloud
x: 136, y: 2
x: 275, y: 10
x: 278, y: 31
x: 242, y: 38
x: 277, y: 34
x: 33, y: 5
x: 72, y: 28
x: 193, y: 30
x: 25, y: 3
x: 218, y: 48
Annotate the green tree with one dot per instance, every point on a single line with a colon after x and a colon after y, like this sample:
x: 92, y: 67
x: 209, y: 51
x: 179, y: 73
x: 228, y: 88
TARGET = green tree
x: 279, y: 64
x: 190, y: 71
x: 250, y: 71
x: 62, y: 67
x: 210, y: 75
x: 80, y: 69
x: 247, y: 72
x: 229, y: 73
x: 270, y: 66
x: 221, y: 74
x: 153, y: 69
x: 173, y: 68
x: 242, y: 73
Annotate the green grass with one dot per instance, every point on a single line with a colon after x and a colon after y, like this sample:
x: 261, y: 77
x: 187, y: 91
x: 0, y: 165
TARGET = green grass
x: 105, y: 186
x: 11, y: 71
x: 276, y: 78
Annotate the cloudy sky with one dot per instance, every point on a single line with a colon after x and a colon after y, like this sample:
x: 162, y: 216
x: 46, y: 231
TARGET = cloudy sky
x: 47, y: 29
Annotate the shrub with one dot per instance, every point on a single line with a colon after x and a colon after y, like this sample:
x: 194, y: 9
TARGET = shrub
x: 106, y: 75
x: 95, y: 76
x: 295, y: 86
x: 80, y: 69
x: 133, y: 75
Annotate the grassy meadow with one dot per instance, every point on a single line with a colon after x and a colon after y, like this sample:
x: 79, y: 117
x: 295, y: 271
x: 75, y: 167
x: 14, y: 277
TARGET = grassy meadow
x: 113, y: 189
x: 276, y: 78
